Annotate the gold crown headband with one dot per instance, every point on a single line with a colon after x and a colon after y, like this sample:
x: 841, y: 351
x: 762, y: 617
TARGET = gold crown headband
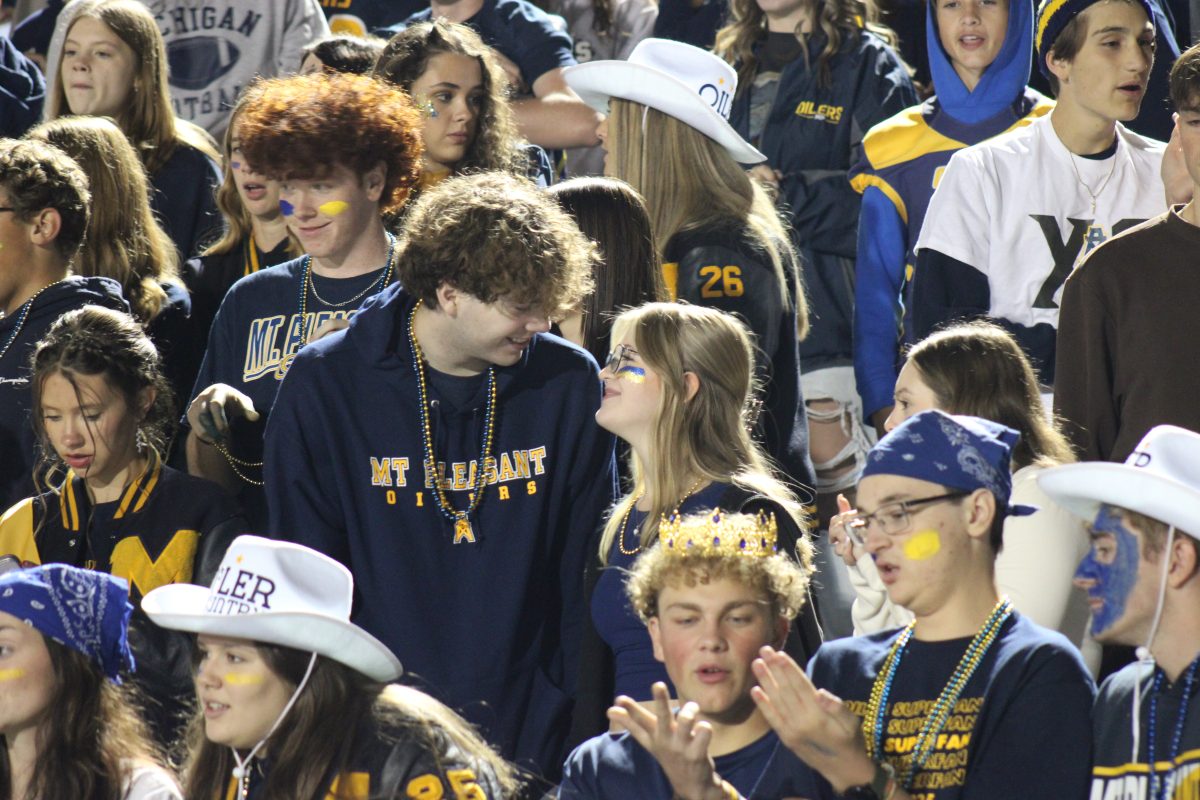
x: 718, y: 534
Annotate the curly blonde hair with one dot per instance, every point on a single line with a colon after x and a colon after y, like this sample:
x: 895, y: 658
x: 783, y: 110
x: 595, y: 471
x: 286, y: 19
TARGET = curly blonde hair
x: 495, y: 235
x: 777, y: 578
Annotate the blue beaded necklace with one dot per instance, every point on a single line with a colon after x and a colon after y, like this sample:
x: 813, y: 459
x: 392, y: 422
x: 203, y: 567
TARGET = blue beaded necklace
x: 942, y: 708
x: 1158, y: 785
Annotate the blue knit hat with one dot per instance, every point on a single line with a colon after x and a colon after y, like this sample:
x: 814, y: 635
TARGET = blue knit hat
x: 1053, y: 16
x: 82, y: 609
x: 957, y: 452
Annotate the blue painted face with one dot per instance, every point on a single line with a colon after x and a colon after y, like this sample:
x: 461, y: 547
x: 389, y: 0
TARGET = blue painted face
x: 1112, y: 567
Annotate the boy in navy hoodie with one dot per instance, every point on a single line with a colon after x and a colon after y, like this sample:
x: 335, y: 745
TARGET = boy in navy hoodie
x: 44, y: 202
x: 444, y: 449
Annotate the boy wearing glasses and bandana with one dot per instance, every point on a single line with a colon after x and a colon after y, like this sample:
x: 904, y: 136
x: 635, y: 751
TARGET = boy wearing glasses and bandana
x: 1142, y: 578
x: 712, y: 592
x: 971, y: 700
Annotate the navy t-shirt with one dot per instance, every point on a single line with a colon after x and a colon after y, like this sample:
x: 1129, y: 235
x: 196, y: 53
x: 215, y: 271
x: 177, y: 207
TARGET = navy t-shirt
x: 519, y: 30
x: 1021, y: 727
x: 254, y: 337
x: 616, y: 767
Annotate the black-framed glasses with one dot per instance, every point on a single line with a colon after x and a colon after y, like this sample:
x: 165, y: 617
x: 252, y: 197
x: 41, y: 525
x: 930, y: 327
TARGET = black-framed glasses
x: 893, y: 518
x: 619, y: 357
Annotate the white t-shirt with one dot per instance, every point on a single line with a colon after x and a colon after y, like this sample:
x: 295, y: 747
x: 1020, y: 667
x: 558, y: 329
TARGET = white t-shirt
x: 150, y: 782
x: 1015, y: 207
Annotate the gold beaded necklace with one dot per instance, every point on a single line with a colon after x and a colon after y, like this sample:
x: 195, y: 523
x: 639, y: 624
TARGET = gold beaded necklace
x: 873, y: 721
x: 463, y: 531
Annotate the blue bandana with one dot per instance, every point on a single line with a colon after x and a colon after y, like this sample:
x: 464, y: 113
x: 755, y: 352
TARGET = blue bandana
x: 82, y: 609
x: 957, y: 452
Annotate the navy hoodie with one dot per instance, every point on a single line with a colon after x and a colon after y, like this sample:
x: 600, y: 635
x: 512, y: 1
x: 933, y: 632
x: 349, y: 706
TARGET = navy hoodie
x: 903, y: 158
x: 18, y: 445
x: 492, y: 627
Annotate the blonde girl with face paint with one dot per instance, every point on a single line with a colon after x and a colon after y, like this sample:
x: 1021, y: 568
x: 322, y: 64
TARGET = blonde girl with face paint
x: 679, y: 388
x: 978, y: 369
x: 67, y: 726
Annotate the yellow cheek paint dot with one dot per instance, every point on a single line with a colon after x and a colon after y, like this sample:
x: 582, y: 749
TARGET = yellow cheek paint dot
x: 11, y: 674
x: 333, y: 208
x: 240, y: 679
x: 923, y: 545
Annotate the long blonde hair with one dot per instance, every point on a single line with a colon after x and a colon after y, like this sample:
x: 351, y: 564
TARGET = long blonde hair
x: 124, y: 241
x: 692, y: 183
x: 149, y: 120
x: 837, y: 19
x: 706, y: 436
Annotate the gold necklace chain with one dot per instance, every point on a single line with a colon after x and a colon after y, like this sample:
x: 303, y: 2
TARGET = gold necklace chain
x: 235, y: 462
x: 312, y: 285
x: 625, y: 519
x: 1096, y: 194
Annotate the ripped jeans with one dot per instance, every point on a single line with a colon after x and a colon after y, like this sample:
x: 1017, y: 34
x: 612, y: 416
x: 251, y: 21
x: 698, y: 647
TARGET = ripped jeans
x: 838, y: 439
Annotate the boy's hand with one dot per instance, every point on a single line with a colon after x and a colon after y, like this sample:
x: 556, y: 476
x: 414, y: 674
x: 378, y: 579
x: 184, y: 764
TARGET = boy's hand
x: 811, y: 722
x: 678, y: 743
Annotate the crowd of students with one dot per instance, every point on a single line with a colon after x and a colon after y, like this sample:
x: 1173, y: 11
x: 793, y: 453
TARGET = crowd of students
x: 522, y: 405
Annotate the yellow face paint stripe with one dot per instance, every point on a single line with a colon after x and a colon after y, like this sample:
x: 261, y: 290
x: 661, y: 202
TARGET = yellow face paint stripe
x: 11, y: 674
x: 334, y: 208
x: 242, y: 679
x: 923, y: 545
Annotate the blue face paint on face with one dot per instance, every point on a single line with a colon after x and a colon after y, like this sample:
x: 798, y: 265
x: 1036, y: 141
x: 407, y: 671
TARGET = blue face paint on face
x: 235, y: 165
x: 287, y: 208
x: 1112, y: 566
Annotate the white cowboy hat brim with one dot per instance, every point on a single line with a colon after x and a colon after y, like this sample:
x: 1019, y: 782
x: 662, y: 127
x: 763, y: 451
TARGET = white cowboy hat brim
x: 597, y: 81
x: 179, y: 606
x: 1083, y: 488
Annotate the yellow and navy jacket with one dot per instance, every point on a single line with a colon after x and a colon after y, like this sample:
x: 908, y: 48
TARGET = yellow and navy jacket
x: 489, y: 623
x: 167, y: 527
x: 813, y: 135
x: 903, y: 159
x: 405, y: 761
x: 725, y: 267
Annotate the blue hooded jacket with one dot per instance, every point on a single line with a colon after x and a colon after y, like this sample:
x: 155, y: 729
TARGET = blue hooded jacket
x: 904, y: 158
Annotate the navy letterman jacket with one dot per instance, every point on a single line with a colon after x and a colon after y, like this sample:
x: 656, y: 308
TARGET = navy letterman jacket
x: 813, y: 136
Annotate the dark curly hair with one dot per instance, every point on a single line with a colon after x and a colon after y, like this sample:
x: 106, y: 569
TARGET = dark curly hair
x: 494, y: 235
x: 99, y: 341
x: 497, y: 143
x: 37, y: 176
x: 297, y: 127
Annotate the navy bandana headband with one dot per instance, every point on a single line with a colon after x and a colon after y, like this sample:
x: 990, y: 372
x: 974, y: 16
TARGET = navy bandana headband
x: 957, y: 452
x: 82, y: 609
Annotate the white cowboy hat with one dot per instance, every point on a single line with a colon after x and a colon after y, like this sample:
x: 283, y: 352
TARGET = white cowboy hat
x: 278, y: 593
x: 692, y: 85
x: 1161, y: 479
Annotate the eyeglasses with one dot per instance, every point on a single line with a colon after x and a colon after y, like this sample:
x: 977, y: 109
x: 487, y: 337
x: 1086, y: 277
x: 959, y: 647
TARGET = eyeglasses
x: 619, y: 357
x: 893, y: 518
